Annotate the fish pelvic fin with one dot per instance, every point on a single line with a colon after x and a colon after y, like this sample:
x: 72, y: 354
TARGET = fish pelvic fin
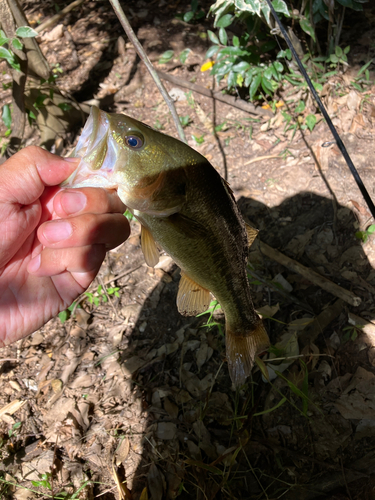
x: 241, y: 350
x: 149, y: 248
x: 192, y: 299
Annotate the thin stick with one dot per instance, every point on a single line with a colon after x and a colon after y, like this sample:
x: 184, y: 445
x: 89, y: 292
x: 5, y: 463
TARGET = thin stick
x: 315, y: 278
x: 56, y: 18
x: 142, y: 54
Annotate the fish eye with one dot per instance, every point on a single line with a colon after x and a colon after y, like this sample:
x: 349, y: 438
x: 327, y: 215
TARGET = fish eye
x: 133, y: 141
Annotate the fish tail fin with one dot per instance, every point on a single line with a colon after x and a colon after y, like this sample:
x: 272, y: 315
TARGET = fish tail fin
x: 241, y: 350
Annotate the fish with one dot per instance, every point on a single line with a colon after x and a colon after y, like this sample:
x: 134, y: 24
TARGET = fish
x: 185, y: 208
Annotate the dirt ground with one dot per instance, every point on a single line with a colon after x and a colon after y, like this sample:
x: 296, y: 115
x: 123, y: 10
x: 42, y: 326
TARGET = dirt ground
x: 129, y: 392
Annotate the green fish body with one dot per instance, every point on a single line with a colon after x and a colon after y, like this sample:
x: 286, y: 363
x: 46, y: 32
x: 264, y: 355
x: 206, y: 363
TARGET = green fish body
x: 186, y: 208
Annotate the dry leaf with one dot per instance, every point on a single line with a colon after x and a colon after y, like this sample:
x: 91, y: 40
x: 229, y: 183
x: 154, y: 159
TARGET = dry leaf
x: 122, y: 451
x: 156, y: 483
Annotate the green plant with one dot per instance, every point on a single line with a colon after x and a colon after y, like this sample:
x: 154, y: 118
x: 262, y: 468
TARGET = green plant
x: 198, y: 139
x: 214, y: 306
x: 101, y: 294
x: 15, y: 43
x: 194, y: 14
x: 6, y: 116
x: 185, y: 120
x: 363, y: 235
x: 339, y: 57
x: 351, y: 332
x: 65, y: 315
x: 14, y: 429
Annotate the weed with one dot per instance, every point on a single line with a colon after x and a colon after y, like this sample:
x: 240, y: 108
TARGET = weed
x: 101, y: 294
x: 185, y: 120
x: 210, y: 323
x: 351, y: 332
x: 194, y: 14
x: 65, y: 315
x: 363, y: 235
x: 199, y: 140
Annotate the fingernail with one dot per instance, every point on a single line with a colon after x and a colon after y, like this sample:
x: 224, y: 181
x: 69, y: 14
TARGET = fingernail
x: 34, y: 264
x: 72, y: 159
x: 57, y: 231
x: 73, y: 201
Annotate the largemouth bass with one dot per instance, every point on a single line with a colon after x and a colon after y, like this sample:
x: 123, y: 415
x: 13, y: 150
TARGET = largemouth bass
x: 186, y: 208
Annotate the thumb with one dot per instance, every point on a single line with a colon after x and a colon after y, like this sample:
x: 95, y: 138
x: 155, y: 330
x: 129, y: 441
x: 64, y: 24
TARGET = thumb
x: 23, y: 179
x: 25, y: 175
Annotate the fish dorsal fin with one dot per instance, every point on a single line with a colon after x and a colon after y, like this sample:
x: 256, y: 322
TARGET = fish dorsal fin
x: 149, y: 248
x: 192, y: 299
x: 251, y: 234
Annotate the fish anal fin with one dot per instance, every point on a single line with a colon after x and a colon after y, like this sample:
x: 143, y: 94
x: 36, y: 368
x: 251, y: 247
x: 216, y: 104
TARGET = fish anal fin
x: 252, y: 233
x: 242, y: 349
x: 192, y: 299
x: 149, y: 248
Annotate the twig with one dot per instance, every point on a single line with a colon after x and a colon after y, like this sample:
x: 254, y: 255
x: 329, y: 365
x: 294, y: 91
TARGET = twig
x: 228, y: 99
x: 142, y: 54
x: 56, y: 18
x: 311, y: 275
x: 8, y: 359
x: 261, y: 158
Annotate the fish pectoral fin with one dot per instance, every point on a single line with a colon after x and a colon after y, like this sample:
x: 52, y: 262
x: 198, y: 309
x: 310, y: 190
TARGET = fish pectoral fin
x: 187, y: 226
x: 252, y: 233
x: 149, y: 248
x: 242, y: 349
x: 192, y: 299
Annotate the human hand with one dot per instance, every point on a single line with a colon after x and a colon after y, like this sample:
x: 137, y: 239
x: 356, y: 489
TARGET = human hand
x: 52, y: 241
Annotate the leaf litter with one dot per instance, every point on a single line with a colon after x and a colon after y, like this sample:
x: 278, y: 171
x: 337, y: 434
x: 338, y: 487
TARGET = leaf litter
x: 139, y: 401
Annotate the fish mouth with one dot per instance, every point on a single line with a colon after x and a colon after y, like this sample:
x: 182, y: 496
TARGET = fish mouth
x: 98, y: 152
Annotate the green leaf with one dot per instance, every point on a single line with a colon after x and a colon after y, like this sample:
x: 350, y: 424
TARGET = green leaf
x: 7, y: 116
x: 371, y: 229
x: 334, y: 58
x: 166, y: 56
x: 267, y: 86
x: 311, y: 122
x: 255, y: 85
x: 232, y: 79
x: 223, y: 37
x: 363, y: 69
x: 188, y: 16
x: 63, y: 316
x: 212, y: 51
x: 268, y: 73
x: 280, y: 6
x: 241, y: 66
x: 278, y: 66
x: 26, y: 32
x: 17, y: 44
x: 307, y: 28
x: 212, y: 37
x: 236, y: 41
x: 224, y: 21
x: 346, y: 3
x: 184, y: 55
x: 9, y: 57
x: 338, y: 51
x: 347, y: 49
x: 300, y: 107
x: 64, y: 106
x: 31, y: 115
